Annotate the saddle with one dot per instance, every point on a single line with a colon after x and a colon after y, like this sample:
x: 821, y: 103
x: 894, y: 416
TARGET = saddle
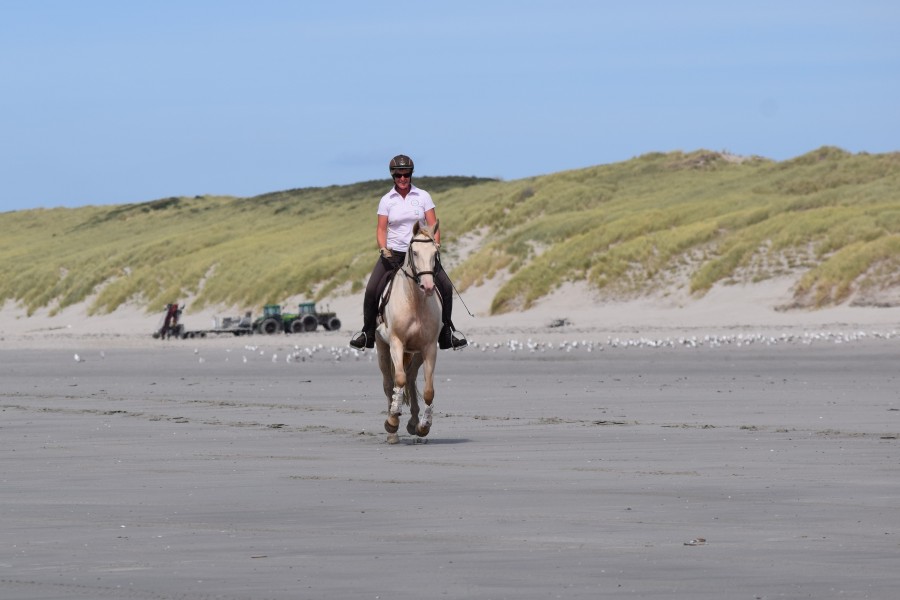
x: 384, y: 292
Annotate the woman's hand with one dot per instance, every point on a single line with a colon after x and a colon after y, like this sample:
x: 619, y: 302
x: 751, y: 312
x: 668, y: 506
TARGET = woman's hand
x: 390, y: 260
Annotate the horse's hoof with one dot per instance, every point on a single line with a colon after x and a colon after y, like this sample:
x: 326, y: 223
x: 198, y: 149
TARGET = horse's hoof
x: 393, y: 438
x: 423, y: 430
x: 412, y: 426
x: 391, y: 428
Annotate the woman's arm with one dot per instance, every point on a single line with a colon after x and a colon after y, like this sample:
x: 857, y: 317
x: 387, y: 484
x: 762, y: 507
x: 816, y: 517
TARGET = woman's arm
x: 381, y: 231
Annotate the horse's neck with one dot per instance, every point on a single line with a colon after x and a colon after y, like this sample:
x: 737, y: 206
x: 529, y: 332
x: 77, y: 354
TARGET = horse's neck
x: 406, y: 288
x: 411, y: 290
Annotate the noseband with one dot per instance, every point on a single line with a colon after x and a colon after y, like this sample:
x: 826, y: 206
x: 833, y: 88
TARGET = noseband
x: 416, y: 274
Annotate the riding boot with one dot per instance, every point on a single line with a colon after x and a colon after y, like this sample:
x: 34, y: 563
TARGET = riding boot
x: 450, y: 338
x: 366, y: 337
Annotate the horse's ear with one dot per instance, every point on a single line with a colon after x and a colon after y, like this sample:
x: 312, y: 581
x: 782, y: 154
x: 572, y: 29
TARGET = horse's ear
x: 415, y: 228
x: 437, y: 224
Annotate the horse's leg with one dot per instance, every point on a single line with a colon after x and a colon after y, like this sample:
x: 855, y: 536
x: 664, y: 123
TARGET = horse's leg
x: 395, y: 402
x: 387, y: 376
x: 412, y: 392
x: 429, y: 358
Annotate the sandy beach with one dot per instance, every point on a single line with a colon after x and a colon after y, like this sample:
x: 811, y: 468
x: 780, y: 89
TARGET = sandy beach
x: 657, y: 449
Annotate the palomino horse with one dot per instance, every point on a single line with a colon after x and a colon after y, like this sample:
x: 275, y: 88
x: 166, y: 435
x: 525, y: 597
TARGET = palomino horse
x: 407, y: 338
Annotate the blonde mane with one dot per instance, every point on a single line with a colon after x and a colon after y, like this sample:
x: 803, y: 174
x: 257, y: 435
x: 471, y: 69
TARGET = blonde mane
x: 426, y: 231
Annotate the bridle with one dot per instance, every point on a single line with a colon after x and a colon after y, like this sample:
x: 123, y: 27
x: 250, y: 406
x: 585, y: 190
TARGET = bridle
x: 416, y: 274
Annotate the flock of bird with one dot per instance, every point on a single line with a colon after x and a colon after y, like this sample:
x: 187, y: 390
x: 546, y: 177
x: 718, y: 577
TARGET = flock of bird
x: 712, y: 341
x: 299, y: 354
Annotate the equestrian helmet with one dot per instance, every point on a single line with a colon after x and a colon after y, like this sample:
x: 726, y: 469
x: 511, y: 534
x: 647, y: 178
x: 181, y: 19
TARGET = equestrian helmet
x: 401, y: 162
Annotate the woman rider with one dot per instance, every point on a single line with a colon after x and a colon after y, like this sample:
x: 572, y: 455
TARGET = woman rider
x: 398, y: 210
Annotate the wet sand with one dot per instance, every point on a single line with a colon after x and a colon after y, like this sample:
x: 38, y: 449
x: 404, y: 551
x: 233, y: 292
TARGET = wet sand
x: 196, y: 470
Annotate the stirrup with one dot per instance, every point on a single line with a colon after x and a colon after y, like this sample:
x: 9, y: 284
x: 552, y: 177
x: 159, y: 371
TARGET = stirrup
x: 458, y: 340
x: 450, y: 338
x: 363, y: 339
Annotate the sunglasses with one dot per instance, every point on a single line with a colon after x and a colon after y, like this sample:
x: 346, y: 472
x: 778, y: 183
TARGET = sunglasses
x: 399, y: 175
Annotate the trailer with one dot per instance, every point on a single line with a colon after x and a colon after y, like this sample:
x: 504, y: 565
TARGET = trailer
x: 227, y: 326
x: 171, y: 326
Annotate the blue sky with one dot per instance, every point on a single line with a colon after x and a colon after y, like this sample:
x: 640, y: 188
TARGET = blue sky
x: 116, y: 102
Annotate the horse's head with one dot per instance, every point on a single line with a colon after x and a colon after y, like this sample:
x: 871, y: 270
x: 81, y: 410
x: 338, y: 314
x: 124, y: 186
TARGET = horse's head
x: 422, y: 256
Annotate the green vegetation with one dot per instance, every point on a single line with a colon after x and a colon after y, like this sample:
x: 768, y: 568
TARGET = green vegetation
x: 830, y: 218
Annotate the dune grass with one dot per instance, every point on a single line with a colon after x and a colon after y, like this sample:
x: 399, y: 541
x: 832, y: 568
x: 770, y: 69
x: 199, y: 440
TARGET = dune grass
x: 830, y: 218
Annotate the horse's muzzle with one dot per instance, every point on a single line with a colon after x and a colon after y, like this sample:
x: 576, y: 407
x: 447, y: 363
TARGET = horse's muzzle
x: 425, y: 279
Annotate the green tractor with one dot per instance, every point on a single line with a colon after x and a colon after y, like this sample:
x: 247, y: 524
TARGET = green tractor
x: 272, y: 321
x: 328, y: 320
x: 308, y: 319
x: 305, y: 319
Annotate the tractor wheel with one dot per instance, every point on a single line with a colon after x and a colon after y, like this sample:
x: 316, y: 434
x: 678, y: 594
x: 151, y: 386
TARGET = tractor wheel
x: 334, y: 324
x: 297, y: 326
x: 310, y: 323
x: 269, y: 326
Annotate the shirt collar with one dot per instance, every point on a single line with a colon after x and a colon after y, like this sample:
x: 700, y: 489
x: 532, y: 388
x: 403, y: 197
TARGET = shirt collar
x: 412, y: 190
